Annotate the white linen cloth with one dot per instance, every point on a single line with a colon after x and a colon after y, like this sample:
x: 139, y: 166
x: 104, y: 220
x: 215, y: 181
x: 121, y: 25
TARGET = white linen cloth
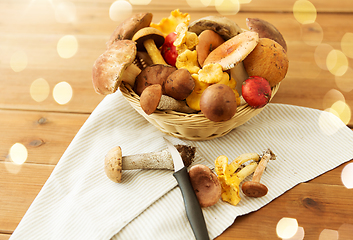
x: 78, y: 201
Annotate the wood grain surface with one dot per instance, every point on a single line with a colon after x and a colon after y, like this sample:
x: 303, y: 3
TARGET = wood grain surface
x: 322, y: 206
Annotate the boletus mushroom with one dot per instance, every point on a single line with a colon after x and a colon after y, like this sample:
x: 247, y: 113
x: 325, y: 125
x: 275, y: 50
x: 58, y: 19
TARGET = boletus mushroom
x: 205, y: 184
x: 218, y: 102
x: 179, y: 84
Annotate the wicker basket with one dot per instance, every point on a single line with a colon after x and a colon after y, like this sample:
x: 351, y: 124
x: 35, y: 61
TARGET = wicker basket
x: 191, y: 126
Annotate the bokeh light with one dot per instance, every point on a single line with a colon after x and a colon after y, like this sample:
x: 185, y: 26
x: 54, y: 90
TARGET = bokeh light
x: 331, y: 97
x: 342, y: 110
x: 39, y: 90
x: 18, y: 153
x: 140, y: 2
x: 312, y: 34
x: 345, y: 231
x: 198, y: 3
x: 304, y: 11
x: 227, y: 7
x: 328, y: 234
x: 345, y: 82
x: 321, y: 53
x: 120, y: 10
x: 347, y: 176
x: 337, y: 62
x: 308, y: 68
x: 67, y: 46
x: 325, y: 123
x: 299, y: 235
x: 62, y: 93
x: 65, y: 12
x: 287, y: 227
x: 347, y: 44
x: 18, y: 61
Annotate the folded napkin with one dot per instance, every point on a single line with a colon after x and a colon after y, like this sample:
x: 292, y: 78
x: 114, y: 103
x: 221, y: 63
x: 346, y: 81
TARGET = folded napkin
x: 78, y: 201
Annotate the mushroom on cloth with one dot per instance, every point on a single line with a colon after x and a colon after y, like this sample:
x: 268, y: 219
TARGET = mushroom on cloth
x: 114, y: 66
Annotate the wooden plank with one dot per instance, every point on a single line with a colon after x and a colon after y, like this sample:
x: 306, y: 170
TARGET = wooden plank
x: 313, y: 206
x: 45, y: 135
x: 4, y: 236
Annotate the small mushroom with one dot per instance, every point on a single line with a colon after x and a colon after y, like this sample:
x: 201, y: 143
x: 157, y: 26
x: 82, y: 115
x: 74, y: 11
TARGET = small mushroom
x: 114, y: 66
x: 218, y: 102
x: 266, y: 30
x: 179, y: 84
x: 254, y: 188
x: 150, y: 39
x: 114, y: 162
x: 153, y: 74
x: 225, y: 27
x: 208, y: 41
x: 152, y: 99
x: 268, y: 60
x: 205, y: 184
x: 129, y: 27
x: 233, y: 51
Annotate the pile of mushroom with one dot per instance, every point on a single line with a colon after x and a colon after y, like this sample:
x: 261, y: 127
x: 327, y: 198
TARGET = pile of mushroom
x: 213, y: 54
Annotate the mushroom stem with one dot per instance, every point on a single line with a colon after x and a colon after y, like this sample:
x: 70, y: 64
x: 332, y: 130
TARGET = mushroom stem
x: 153, y: 52
x: 267, y: 156
x: 130, y: 74
x: 169, y: 103
x: 246, y: 171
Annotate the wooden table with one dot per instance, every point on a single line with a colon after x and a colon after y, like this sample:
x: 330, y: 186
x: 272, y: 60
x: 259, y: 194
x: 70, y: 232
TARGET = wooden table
x: 30, y: 32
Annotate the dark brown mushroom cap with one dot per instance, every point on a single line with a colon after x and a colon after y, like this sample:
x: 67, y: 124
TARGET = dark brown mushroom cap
x: 128, y: 28
x: 254, y: 189
x: 218, y: 102
x: 153, y: 74
x: 148, y: 33
x: 109, y: 66
x: 266, y: 30
x: 179, y: 84
x: 205, y: 184
x: 150, y: 98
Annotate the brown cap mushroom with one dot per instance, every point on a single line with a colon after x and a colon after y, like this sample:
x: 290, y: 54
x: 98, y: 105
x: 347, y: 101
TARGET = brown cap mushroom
x: 114, y: 66
x: 129, y: 27
x: 205, y: 184
x: 233, y: 51
x: 266, y: 30
x: 208, y: 41
x: 150, y: 98
x: 153, y: 74
x: 225, y: 27
x: 268, y: 60
x: 150, y: 39
x: 179, y: 84
x: 218, y: 102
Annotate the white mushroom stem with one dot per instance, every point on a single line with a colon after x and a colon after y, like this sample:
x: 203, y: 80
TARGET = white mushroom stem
x: 169, y: 103
x: 267, y: 156
x: 130, y: 74
x: 246, y: 171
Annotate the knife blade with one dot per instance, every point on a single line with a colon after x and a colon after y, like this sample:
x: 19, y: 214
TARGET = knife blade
x: 192, y: 205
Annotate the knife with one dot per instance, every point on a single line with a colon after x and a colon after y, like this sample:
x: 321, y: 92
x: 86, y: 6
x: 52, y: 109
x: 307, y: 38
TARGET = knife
x: 192, y: 205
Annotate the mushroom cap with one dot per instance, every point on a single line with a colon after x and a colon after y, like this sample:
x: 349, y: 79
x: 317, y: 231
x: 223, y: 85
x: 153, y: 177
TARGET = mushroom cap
x: 179, y: 84
x: 208, y: 41
x: 113, y: 164
x: 225, y: 27
x: 254, y: 189
x: 148, y: 33
x: 233, y: 51
x: 109, y: 67
x: 153, y: 74
x: 129, y: 27
x: 266, y: 30
x: 150, y: 98
x: 218, y: 102
x: 268, y: 60
x: 205, y: 184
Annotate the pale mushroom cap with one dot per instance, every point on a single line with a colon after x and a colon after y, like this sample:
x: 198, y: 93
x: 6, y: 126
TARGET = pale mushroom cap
x: 113, y: 164
x: 109, y: 66
x: 233, y: 51
x: 129, y: 27
x: 148, y: 33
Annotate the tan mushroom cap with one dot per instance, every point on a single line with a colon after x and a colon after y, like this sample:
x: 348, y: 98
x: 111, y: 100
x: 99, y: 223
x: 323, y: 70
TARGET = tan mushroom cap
x: 225, y: 27
x: 148, y: 33
x: 150, y: 98
x: 209, y: 40
x: 129, y: 27
x: 109, y: 67
x: 268, y: 60
x: 113, y: 164
x: 233, y: 51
